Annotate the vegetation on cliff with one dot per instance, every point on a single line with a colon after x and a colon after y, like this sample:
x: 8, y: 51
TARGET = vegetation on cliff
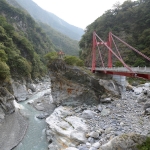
x: 63, y: 35
x: 61, y: 41
x: 68, y: 59
x: 22, y: 44
x: 49, y: 18
x: 129, y: 21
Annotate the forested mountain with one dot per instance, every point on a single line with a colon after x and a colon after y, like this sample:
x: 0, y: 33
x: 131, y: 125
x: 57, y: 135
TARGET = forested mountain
x: 129, y: 21
x: 61, y: 41
x: 22, y: 44
x: 49, y: 18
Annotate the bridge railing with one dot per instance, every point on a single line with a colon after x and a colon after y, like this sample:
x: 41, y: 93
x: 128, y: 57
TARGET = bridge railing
x: 123, y: 69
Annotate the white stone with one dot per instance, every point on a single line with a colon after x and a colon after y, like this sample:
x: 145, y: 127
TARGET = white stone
x: 29, y: 91
x: 88, y: 114
x: 20, y: 91
x: 96, y: 145
x: 88, y: 144
x: 17, y: 105
x: 68, y: 130
x: 71, y: 148
x: 138, y: 90
x: 78, y: 136
x: 121, y: 123
x: 93, y: 148
x: 94, y: 134
x: 147, y: 85
x: 32, y: 87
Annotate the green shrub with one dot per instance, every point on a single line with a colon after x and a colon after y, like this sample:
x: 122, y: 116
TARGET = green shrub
x: 23, y: 67
x: 118, y: 64
x: 4, y: 70
x: 80, y: 63
x: 38, y: 68
x: 73, y: 60
x: 51, y: 56
x: 145, y: 145
x: 3, y: 56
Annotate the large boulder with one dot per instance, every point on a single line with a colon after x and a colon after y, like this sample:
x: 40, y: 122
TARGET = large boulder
x: 32, y: 87
x: 138, y: 90
x: 111, y: 86
x: 124, y: 142
x: 74, y: 86
x: 20, y: 91
x: 88, y: 114
x: 6, y: 101
x: 65, y: 129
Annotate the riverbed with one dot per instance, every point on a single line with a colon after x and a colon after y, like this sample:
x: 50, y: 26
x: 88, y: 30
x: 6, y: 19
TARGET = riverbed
x: 35, y: 138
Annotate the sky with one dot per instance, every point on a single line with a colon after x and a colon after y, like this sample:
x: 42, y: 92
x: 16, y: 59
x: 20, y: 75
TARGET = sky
x: 79, y: 13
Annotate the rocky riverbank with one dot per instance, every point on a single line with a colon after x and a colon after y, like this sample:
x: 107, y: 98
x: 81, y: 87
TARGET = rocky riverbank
x: 91, y: 114
x: 85, y: 113
x: 13, y: 119
x: 100, y: 124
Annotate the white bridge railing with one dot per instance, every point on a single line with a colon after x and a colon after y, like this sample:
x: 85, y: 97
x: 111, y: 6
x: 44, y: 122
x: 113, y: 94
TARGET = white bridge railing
x: 123, y: 69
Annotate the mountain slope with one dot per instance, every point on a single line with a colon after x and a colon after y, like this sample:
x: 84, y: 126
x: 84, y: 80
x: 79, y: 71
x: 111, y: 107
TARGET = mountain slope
x: 129, y: 21
x: 22, y: 44
x: 49, y: 18
x: 61, y: 41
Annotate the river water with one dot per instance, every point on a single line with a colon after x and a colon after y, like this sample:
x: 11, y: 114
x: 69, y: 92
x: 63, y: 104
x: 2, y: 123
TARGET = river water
x: 35, y: 138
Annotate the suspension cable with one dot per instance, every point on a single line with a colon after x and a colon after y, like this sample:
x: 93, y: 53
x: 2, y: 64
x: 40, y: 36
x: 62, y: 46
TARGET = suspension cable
x: 132, y: 47
x: 116, y: 47
x: 114, y: 54
x: 100, y: 55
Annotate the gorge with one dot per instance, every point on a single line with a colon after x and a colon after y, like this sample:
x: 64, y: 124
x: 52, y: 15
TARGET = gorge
x: 83, y: 113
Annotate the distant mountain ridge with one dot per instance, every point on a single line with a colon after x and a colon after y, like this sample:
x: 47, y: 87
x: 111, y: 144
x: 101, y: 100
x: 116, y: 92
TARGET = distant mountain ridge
x: 23, y: 44
x: 49, y: 18
x: 60, y: 40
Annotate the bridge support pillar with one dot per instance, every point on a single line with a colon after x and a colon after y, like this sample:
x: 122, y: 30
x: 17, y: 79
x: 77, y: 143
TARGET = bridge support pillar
x: 94, y: 53
x: 122, y: 81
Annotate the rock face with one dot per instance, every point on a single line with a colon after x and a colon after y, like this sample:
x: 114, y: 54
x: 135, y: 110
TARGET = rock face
x: 6, y: 101
x: 20, y: 91
x: 66, y: 130
x: 74, y: 86
x: 109, y: 121
x: 111, y: 87
x: 99, y: 103
x: 124, y: 142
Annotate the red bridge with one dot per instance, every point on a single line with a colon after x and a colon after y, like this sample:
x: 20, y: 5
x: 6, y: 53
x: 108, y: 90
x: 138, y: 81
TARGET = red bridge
x: 141, y: 72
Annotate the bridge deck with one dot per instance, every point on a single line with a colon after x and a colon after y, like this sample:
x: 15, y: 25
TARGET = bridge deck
x: 141, y: 72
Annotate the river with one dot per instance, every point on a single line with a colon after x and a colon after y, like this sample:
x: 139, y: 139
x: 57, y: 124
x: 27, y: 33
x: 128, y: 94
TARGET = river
x: 35, y: 138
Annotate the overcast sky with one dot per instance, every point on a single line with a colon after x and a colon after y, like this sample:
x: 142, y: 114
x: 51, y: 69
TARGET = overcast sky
x: 79, y: 13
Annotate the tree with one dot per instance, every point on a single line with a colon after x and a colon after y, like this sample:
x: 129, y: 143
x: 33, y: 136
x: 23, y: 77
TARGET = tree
x: 73, y: 60
x: 51, y: 56
x: 4, y: 70
x: 3, y: 56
